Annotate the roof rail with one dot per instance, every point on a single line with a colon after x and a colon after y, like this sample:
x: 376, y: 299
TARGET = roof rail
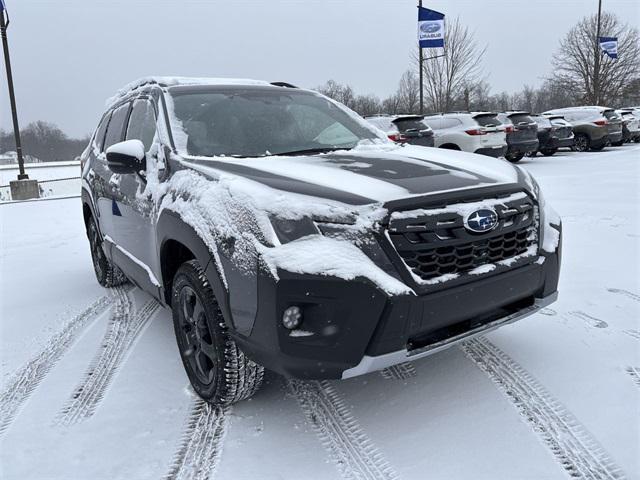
x: 283, y: 84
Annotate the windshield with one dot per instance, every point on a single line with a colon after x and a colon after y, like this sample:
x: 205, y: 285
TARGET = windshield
x: 250, y: 122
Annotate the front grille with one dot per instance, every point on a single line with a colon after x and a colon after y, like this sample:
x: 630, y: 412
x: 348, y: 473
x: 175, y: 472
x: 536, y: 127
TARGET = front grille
x: 435, y: 243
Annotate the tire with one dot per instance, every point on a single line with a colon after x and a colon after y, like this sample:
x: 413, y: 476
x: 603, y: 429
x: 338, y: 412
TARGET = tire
x: 107, y: 274
x: 514, y: 157
x: 618, y: 144
x: 549, y: 152
x: 597, y: 149
x: 581, y: 143
x: 217, y: 369
x: 531, y: 154
x: 636, y: 140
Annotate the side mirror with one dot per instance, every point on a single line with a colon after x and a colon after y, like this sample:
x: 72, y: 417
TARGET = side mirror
x: 126, y: 157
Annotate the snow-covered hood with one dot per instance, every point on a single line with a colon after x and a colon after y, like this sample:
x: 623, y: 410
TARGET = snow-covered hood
x: 367, y: 175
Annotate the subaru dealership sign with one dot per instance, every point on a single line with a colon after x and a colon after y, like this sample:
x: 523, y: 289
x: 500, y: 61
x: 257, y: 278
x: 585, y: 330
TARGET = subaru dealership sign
x: 430, y: 28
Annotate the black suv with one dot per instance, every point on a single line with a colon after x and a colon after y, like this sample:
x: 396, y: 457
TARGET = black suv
x: 522, y: 134
x: 285, y: 232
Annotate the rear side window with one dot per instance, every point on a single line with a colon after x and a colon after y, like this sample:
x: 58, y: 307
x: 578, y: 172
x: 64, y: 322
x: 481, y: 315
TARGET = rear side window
x: 142, y: 123
x: 102, y: 128
x: 542, y: 122
x: 611, y: 115
x: 383, y: 124
x: 434, y: 123
x: 450, y: 122
x: 487, y: 120
x: 116, y: 126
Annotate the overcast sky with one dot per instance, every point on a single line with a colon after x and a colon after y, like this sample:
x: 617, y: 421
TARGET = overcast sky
x: 70, y: 55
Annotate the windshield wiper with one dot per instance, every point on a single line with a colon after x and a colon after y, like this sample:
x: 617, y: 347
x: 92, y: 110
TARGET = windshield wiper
x: 312, y: 151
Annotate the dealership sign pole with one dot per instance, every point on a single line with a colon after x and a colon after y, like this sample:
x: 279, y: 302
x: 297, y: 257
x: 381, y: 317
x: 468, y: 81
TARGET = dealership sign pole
x: 4, y: 23
x: 430, y: 35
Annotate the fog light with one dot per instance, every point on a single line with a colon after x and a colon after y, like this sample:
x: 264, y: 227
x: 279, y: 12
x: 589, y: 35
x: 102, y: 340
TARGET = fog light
x: 292, y: 318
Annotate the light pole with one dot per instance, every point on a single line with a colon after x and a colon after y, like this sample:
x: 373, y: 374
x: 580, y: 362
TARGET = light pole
x: 4, y: 23
x: 598, y: 53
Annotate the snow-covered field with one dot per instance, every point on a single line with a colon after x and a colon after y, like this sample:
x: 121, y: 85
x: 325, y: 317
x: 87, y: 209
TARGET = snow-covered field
x: 92, y: 385
x: 44, y: 172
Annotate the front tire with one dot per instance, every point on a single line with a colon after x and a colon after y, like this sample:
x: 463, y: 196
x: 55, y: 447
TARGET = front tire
x: 549, y: 152
x: 217, y: 369
x: 581, y: 143
x: 107, y: 274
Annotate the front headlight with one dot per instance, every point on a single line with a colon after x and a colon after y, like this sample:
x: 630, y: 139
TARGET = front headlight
x: 289, y: 230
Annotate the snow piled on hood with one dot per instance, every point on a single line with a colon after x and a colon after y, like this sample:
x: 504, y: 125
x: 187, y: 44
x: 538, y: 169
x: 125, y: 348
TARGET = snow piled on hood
x: 320, y: 255
x: 234, y: 210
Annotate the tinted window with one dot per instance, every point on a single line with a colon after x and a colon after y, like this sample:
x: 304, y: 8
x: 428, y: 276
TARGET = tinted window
x: 517, y: 119
x: 142, y: 123
x: 116, y: 125
x: 102, y: 128
x: 405, y: 124
x: 487, y: 120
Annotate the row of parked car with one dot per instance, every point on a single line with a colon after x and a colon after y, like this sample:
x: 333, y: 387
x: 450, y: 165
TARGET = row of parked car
x: 515, y: 134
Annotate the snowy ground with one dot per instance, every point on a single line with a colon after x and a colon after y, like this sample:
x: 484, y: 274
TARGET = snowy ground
x: 92, y: 385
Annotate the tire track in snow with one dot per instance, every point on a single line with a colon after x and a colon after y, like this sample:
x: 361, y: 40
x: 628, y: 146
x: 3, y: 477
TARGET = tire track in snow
x: 26, y: 379
x: 625, y: 293
x: 349, y: 447
x: 200, y: 448
x: 124, y: 328
x: 573, y: 446
x: 635, y: 374
x: 402, y: 371
x: 589, y: 319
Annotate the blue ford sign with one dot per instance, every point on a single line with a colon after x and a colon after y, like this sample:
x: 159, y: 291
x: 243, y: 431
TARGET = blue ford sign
x: 481, y: 220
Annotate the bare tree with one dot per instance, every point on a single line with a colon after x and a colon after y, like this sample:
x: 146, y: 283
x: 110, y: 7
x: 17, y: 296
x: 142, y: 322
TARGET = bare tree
x: 367, y: 105
x: 575, y: 61
x: 445, y: 78
x: 409, y: 92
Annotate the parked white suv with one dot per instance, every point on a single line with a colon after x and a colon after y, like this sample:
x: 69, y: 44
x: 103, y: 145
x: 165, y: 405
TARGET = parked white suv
x: 476, y: 132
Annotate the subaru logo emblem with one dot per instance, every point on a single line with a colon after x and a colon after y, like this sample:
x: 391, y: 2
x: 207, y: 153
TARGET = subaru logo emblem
x: 481, y: 220
x: 430, y: 27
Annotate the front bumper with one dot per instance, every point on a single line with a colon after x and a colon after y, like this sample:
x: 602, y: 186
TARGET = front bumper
x: 352, y: 327
x: 372, y: 364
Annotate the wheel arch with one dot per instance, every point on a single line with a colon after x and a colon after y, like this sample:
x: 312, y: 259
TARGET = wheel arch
x: 450, y: 146
x: 178, y: 242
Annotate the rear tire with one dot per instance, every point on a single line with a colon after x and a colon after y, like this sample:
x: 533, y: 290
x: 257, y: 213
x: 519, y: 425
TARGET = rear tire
x: 217, y: 369
x: 531, y: 154
x: 107, y: 274
x: 618, y: 144
x: 581, y: 143
x: 549, y: 152
x: 599, y: 148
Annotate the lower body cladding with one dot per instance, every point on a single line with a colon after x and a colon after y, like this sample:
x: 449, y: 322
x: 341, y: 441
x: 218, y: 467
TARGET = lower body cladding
x: 496, y: 152
x: 615, y: 137
x: 553, y: 143
x: 349, y: 328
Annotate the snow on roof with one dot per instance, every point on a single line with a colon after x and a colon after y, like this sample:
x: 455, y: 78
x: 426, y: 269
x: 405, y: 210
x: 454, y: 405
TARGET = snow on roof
x: 175, y: 81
